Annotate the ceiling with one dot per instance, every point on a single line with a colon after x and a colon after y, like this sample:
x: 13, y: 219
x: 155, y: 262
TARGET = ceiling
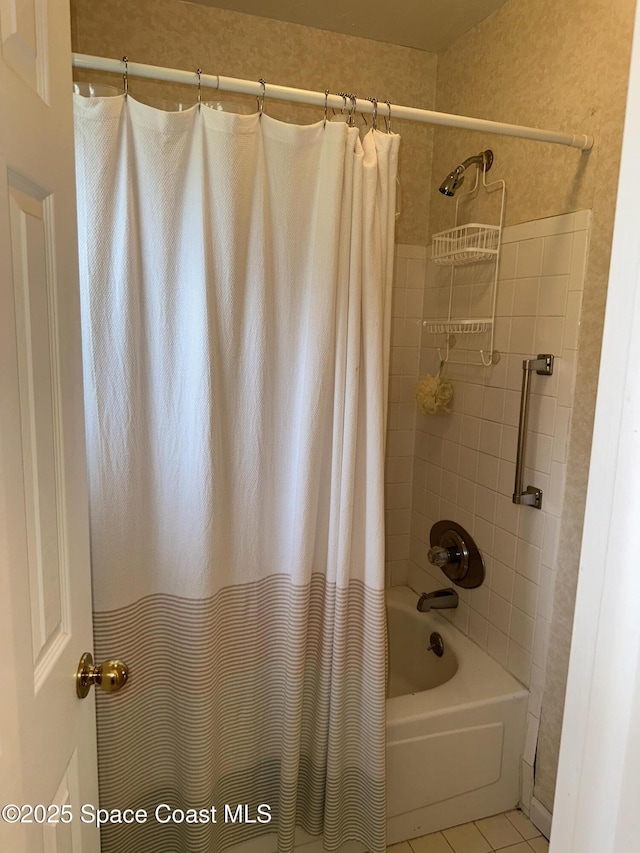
x: 424, y: 24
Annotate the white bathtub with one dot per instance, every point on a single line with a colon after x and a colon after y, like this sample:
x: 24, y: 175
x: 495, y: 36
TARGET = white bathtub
x: 453, y: 749
x: 455, y: 732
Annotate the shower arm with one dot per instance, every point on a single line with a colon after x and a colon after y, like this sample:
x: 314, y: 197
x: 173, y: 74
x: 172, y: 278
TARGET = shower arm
x: 484, y: 160
x: 455, y: 178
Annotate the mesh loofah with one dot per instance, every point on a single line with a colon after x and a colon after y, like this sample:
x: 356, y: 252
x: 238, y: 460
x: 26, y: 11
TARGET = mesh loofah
x: 434, y: 395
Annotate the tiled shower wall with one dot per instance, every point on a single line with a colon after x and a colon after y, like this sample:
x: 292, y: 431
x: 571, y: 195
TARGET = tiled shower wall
x: 406, y: 324
x: 464, y: 463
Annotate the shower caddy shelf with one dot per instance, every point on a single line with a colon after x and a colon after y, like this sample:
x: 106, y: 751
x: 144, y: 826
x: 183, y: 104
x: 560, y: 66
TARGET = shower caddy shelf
x: 466, y: 244
x: 471, y: 243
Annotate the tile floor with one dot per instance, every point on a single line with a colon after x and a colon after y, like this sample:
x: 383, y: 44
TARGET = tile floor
x: 511, y: 832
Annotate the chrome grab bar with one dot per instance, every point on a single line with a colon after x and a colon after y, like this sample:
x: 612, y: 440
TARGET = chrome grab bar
x: 543, y: 366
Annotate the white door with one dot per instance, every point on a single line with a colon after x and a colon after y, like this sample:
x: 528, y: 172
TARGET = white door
x: 47, y: 734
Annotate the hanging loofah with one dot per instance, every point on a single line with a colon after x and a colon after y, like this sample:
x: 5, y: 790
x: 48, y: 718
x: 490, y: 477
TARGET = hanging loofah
x: 434, y: 395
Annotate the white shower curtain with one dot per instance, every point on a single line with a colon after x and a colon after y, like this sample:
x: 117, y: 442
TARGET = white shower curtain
x: 236, y: 278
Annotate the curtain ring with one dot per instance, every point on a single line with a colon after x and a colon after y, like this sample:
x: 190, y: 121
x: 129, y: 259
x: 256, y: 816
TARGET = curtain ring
x: 352, y: 111
x: 326, y: 98
x: 125, y: 76
x: 387, y: 120
x: 344, y: 103
x: 260, y: 98
x: 199, y: 73
x: 374, y: 121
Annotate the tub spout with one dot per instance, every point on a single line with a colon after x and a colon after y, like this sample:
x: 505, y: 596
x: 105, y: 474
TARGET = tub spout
x: 438, y: 600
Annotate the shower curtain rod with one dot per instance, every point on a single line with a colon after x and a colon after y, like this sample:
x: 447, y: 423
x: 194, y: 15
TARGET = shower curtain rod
x: 304, y: 96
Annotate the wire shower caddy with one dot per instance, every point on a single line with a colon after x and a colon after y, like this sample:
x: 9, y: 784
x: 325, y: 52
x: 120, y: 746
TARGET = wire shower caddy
x: 471, y: 243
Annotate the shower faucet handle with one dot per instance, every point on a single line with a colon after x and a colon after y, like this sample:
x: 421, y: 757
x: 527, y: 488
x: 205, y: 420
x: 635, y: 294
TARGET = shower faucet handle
x: 439, y: 556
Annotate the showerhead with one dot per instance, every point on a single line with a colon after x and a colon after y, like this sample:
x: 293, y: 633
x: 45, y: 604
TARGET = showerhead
x: 454, y: 179
x: 451, y: 183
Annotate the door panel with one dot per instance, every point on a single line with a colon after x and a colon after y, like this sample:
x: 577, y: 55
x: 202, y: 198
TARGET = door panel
x: 39, y: 386
x: 65, y: 837
x: 24, y: 29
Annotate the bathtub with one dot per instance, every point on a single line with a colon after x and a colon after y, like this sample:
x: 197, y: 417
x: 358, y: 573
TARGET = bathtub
x: 455, y: 732
x: 455, y: 726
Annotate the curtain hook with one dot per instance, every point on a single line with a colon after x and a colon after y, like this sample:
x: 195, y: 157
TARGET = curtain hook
x: 125, y: 76
x: 260, y: 99
x: 374, y: 121
x: 199, y: 73
x: 326, y: 107
x: 352, y: 111
x: 344, y: 103
x: 387, y: 120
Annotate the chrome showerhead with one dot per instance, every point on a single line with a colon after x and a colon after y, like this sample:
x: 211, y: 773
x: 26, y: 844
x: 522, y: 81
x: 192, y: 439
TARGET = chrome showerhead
x: 454, y: 179
x: 452, y: 182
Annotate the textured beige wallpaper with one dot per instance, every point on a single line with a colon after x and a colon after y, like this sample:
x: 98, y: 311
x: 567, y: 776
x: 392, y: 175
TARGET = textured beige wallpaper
x: 185, y: 35
x: 561, y: 66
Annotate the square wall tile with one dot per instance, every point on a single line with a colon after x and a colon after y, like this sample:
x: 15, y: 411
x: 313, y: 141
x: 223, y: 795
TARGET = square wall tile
x: 508, y: 261
x: 490, y: 437
x: 527, y: 562
x: 525, y: 297
x: 485, y: 503
x: 548, y: 338
x: 504, y: 547
x: 531, y: 527
x: 487, y: 471
x: 398, y: 572
x: 552, y: 299
x: 523, y: 331
x: 519, y: 663
x: 506, y: 514
x: 416, y: 270
x: 413, y: 304
x: 493, y: 405
x: 529, y: 261
x: 578, y: 260
x: 502, y: 583
x: 542, y: 412
x: 498, y: 645
x: 556, y: 258
x: 521, y: 629
x: 504, y: 298
x: 525, y: 596
x: 478, y: 628
x: 398, y: 297
x: 499, y: 612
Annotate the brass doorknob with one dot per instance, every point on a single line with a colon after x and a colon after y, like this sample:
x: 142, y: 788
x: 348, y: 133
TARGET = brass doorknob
x: 110, y: 676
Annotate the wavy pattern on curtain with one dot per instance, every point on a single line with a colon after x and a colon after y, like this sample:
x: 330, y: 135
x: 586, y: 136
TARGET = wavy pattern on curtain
x: 236, y: 278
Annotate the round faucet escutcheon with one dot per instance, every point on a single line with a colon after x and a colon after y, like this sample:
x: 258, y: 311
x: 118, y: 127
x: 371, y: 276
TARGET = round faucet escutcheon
x: 454, y: 551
